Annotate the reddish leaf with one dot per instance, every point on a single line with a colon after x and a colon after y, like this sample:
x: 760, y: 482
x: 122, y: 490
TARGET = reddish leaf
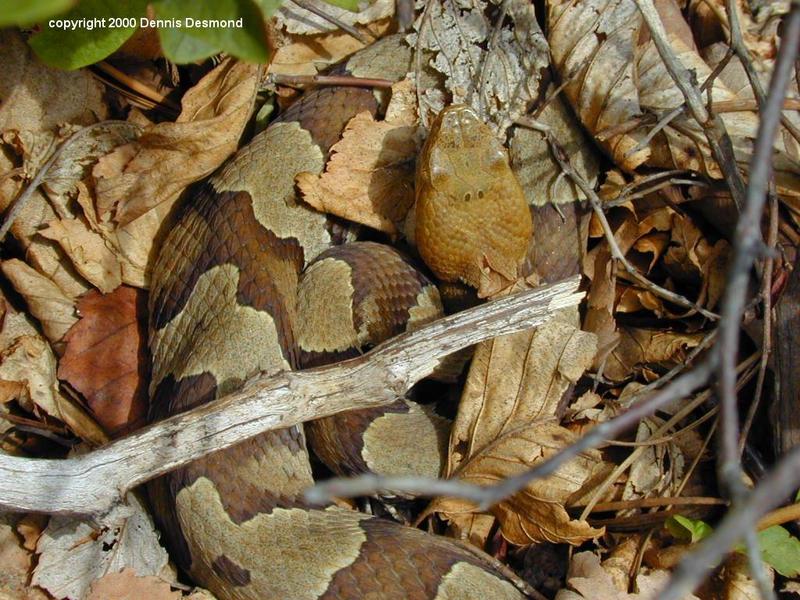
x: 106, y: 360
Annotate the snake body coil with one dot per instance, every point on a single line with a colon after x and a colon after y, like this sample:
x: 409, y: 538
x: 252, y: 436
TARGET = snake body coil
x: 223, y: 308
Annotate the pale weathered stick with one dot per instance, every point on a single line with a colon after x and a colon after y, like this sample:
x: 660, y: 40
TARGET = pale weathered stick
x: 95, y: 482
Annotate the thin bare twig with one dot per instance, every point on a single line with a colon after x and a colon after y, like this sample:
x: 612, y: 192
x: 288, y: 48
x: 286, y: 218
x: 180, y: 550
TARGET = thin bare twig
x: 364, y: 38
x: 766, y: 334
x: 746, y: 248
x: 338, y: 80
x: 485, y: 497
x: 712, y: 124
x: 562, y: 158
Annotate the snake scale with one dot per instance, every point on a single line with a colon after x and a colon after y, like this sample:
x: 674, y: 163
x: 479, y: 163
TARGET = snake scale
x: 230, y: 298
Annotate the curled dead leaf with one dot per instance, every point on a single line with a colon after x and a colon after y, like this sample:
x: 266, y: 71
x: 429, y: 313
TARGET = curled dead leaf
x: 638, y: 347
x: 537, y: 513
x: 506, y: 424
x: 73, y: 553
x: 619, y: 88
x: 46, y: 301
x: 133, y: 188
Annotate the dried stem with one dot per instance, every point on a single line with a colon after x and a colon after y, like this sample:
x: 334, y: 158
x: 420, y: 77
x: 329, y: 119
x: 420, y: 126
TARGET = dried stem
x: 339, y: 80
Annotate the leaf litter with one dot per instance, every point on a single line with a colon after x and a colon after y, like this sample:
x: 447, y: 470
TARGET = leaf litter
x: 93, y: 222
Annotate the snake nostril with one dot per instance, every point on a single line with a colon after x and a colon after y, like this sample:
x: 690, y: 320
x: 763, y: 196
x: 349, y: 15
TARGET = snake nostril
x: 480, y: 194
x: 467, y: 196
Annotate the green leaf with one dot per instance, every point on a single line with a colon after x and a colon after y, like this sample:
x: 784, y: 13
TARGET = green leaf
x: 189, y: 38
x: 688, y: 530
x: 88, y: 35
x: 351, y: 5
x: 28, y: 12
x: 780, y: 550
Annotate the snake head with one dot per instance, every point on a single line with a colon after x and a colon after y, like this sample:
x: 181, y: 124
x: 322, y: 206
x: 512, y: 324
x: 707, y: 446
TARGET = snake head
x: 470, y: 206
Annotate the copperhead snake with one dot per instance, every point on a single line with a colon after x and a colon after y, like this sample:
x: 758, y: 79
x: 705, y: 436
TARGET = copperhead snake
x: 245, y: 282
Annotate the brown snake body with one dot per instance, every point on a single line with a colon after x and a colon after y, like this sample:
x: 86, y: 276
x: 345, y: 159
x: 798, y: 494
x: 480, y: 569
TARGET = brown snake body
x: 224, y: 306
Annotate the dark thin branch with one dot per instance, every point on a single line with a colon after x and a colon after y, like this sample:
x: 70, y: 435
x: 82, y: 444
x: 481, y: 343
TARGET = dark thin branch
x: 712, y: 124
x: 747, y: 506
x: 301, y: 81
x: 361, y: 37
x: 485, y: 497
x: 770, y: 492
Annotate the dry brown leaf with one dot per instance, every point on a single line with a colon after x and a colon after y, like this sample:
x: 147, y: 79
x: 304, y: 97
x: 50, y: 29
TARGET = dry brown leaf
x: 659, y: 467
x: 600, y: 300
x: 738, y: 584
x: 617, y: 78
x: 105, y: 358
x: 498, y: 82
x: 89, y: 252
x: 692, y: 260
x: 73, y: 554
x: 134, y: 187
x: 26, y: 358
x: 505, y: 424
x: 514, y: 380
x: 46, y: 301
x: 369, y: 178
x: 591, y: 580
x: 474, y: 528
x: 638, y: 347
x: 39, y: 98
x: 79, y: 153
x: 127, y: 585
x: 16, y: 563
x: 709, y: 22
x: 309, y: 54
x: 298, y: 20
x: 537, y: 513
x: 599, y: 267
